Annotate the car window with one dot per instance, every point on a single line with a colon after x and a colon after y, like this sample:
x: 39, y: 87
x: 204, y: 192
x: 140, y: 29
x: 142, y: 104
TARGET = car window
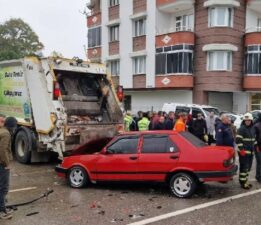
x: 158, y: 144
x: 193, y: 139
x: 208, y: 110
x: 182, y: 109
x: 126, y: 145
x: 195, y: 112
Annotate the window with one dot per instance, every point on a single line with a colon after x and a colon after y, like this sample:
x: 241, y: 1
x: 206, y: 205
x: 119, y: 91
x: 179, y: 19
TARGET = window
x: 184, y: 23
x: 115, y: 67
x: 114, y: 33
x: 174, y: 59
x: 139, y: 27
x: 94, y: 37
x: 114, y: 2
x: 158, y: 144
x: 259, y: 25
x: 193, y: 139
x: 220, y: 17
x: 139, y: 65
x: 127, y: 102
x: 253, y: 60
x: 126, y: 145
x: 256, y: 101
x: 219, y: 61
x: 196, y: 111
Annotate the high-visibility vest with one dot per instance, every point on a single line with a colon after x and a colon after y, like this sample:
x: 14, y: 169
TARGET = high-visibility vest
x: 180, y: 126
x: 143, y: 124
x: 127, y: 122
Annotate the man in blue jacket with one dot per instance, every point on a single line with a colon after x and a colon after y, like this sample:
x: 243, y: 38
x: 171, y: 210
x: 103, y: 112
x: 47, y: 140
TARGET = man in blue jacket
x: 224, y: 135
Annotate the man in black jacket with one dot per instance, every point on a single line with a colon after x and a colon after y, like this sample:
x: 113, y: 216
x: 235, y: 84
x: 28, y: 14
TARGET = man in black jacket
x: 257, y: 128
x: 199, y: 127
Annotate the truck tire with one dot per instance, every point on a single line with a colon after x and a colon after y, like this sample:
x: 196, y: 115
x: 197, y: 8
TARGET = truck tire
x: 23, y: 145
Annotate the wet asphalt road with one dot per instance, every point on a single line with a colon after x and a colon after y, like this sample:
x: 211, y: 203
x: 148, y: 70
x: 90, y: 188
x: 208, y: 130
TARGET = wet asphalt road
x: 122, y: 203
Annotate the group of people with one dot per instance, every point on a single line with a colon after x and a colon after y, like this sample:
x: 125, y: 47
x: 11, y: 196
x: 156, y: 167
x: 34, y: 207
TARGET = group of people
x: 213, y: 129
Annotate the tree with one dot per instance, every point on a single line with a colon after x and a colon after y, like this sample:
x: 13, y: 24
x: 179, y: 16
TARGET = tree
x: 17, y: 40
x: 56, y: 54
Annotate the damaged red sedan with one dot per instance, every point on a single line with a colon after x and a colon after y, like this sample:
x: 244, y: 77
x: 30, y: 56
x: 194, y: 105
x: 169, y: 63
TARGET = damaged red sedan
x: 179, y: 159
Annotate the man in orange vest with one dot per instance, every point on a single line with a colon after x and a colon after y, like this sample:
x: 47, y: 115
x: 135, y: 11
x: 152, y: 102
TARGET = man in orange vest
x: 180, y: 125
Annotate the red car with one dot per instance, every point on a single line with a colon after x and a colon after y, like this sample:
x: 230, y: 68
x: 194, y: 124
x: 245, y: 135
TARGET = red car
x: 180, y: 159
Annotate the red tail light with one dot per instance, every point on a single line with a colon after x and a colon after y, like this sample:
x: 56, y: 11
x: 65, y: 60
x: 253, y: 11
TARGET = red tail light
x: 120, y: 94
x: 56, y: 90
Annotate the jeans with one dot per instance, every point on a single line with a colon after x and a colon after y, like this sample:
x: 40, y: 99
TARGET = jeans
x: 258, y: 165
x: 4, y: 186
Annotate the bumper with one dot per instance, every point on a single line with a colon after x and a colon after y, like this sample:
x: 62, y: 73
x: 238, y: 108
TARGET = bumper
x: 61, y: 170
x: 218, y: 174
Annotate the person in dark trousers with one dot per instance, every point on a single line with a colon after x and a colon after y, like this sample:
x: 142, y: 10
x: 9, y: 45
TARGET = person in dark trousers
x: 257, y: 128
x: 246, y: 144
x: 199, y: 127
x: 161, y: 125
x: 224, y: 135
x: 170, y: 121
x: 7, y: 125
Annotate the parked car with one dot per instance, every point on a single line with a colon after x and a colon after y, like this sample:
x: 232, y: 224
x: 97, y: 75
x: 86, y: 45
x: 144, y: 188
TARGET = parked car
x: 179, y: 159
x: 192, y: 109
x: 236, y: 118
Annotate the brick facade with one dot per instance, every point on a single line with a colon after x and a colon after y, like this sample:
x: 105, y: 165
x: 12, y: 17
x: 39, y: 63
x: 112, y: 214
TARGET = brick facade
x: 94, y: 54
x: 253, y: 38
x: 94, y: 20
x: 114, y: 12
x: 217, y: 81
x: 139, y: 6
x: 139, y: 81
x: 174, y: 81
x: 139, y: 43
x: 114, y: 48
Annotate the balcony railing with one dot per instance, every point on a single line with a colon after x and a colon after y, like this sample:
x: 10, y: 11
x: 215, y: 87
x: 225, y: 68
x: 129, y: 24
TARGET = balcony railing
x: 175, y: 29
x: 253, y: 29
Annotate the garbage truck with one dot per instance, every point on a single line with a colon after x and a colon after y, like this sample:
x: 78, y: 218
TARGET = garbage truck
x: 60, y: 104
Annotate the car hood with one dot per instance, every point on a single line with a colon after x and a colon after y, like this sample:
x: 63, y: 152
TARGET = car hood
x: 90, y: 147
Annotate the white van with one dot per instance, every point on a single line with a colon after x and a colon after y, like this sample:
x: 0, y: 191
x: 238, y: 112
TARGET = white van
x: 192, y: 109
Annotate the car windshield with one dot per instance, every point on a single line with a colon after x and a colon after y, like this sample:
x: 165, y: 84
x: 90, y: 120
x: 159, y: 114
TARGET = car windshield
x: 208, y: 110
x: 193, y: 139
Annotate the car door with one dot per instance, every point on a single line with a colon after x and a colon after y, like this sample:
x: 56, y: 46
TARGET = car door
x: 158, y: 157
x: 119, y: 161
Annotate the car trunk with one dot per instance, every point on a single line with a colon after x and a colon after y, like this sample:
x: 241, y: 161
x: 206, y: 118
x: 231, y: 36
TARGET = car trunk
x: 92, y: 109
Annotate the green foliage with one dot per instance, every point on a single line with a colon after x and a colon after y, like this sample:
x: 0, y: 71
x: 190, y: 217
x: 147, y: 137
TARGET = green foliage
x: 17, y: 40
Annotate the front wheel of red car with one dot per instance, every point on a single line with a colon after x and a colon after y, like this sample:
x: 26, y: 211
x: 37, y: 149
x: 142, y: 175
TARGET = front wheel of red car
x: 183, y: 185
x: 77, y: 177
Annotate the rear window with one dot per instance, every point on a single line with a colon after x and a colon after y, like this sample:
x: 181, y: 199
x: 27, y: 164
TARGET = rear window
x: 158, y: 144
x: 182, y: 109
x: 209, y: 110
x: 193, y: 139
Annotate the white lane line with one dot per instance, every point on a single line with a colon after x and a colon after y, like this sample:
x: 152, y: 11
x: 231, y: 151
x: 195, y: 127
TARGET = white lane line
x: 194, y: 208
x: 23, y: 189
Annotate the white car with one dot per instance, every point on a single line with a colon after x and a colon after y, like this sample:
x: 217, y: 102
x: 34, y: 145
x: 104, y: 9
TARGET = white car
x: 237, y: 119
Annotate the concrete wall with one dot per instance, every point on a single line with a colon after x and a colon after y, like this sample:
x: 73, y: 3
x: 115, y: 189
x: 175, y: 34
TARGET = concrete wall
x: 240, y: 102
x: 145, y: 100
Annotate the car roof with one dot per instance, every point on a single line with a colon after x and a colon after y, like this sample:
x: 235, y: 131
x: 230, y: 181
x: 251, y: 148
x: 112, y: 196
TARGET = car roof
x: 190, y: 105
x: 160, y: 132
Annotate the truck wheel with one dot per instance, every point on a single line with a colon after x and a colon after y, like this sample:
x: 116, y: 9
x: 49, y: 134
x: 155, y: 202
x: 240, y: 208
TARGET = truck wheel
x: 77, y: 177
x: 23, y: 147
x: 183, y: 185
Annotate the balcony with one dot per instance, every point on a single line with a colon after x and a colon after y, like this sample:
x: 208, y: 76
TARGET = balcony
x: 254, y: 5
x: 175, y: 81
x: 253, y: 36
x: 252, y: 83
x: 173, y: 6
x: 184, y: 36
x: 114, y: 12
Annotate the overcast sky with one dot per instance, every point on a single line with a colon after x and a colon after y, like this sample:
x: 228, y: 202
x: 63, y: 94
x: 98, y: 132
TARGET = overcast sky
x: 58, y: 23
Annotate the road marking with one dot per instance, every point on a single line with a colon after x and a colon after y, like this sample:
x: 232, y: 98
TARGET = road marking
x: 194, y: 208
x: 23, y: 189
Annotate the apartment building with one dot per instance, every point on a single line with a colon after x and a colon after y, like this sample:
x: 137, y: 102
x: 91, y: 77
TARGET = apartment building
x: 187, y: 51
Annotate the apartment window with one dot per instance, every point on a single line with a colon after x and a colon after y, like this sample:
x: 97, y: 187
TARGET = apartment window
x: 94, y: 37
x: 256, y: 101
x: 184, y: 23
x: 114, y: 2
x: 139, y: 65
x: 174, y: 59
x: 139, y: 27
x: 220, y: 17
x: 114, y: 33
x: 253, y: 60
x: 219, y: 61
x: 115, y: 67
x: 127, y: 102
